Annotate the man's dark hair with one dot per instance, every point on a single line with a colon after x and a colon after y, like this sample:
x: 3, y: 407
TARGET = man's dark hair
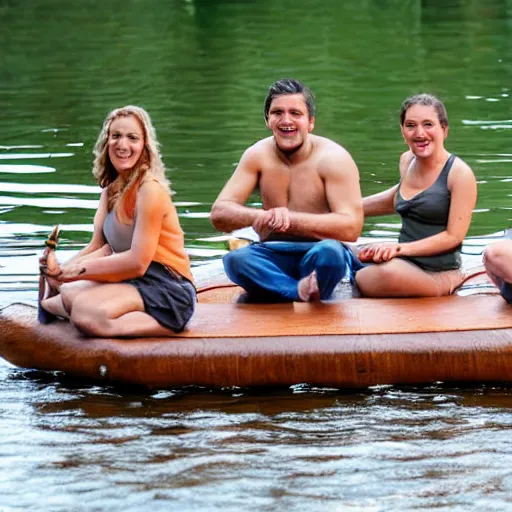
x: 290, y: 86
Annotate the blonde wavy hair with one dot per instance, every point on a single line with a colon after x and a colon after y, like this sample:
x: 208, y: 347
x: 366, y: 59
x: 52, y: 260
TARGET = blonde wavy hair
x: 121, y: 194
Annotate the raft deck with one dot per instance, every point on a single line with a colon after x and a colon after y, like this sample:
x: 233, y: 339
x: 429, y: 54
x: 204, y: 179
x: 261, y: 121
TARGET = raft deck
x: 352, y: 343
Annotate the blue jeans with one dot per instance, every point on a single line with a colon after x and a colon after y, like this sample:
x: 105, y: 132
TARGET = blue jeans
x: 272, y: 270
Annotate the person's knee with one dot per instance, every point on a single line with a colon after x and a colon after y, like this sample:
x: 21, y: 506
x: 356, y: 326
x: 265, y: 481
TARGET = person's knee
x: 490, y: 255
x: 375, y: 279
x: 363, y: 281
x: 89, y: 320
x: 331, y: 252
x: 236, y: 261
x: 332, y: 257
x: 497, y: 253
x: 85, y: 324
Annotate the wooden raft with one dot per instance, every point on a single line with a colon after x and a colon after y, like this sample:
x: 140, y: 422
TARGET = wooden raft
x: 353, y: 343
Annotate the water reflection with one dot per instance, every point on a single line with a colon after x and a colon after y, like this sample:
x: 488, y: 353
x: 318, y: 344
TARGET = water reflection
x: 35, y: 156
x: 25, y: 169
x: 386, y: 448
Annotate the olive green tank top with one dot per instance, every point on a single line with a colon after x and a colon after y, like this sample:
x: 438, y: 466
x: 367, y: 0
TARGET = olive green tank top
x: 426, y: 214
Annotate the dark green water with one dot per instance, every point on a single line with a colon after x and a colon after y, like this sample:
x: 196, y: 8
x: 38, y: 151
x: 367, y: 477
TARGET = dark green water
x: 201, y: 68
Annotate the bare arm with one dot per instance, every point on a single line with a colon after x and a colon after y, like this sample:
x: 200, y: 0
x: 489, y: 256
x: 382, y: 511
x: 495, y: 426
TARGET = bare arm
x: 229, y: 211
x: 152, y: 205
x: 462, y: 185
x: 97, y: 240
x: 463, y: 188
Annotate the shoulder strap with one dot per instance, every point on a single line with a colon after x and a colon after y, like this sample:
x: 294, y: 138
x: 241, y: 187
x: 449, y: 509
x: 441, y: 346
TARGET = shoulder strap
x: 448, y: 164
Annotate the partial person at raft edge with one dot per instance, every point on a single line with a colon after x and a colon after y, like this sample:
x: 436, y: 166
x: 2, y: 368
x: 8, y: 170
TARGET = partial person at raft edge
x: 309, y: 187
x: 498, y: 264
x: 435, y: 198
x: 134, y: 277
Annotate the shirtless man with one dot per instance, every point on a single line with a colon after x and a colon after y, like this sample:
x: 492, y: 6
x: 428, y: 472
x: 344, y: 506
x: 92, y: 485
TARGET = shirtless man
x: 311, y: 197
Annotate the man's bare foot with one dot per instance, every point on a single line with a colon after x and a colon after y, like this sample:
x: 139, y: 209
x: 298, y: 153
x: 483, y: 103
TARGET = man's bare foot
x: 308, y: 288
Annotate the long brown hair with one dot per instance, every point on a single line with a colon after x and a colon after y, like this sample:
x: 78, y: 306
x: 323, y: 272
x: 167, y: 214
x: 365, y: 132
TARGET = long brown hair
x: 122, y: 195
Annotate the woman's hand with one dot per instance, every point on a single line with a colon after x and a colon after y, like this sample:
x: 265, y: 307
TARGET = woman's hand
x: 71, y: 272
x: 379, y: 253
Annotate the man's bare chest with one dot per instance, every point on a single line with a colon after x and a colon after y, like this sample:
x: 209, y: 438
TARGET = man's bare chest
x: 299, y: 189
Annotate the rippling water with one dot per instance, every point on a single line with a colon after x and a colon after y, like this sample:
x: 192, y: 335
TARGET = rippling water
x: 96, y: 448
x: 201, y: 68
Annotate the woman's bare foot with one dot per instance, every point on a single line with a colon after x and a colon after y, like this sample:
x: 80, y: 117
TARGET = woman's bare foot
x: 308, y: 288
x: 48, y: 267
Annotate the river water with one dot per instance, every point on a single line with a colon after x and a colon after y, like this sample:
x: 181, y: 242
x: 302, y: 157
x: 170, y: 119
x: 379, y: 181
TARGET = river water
x: 201, y: 68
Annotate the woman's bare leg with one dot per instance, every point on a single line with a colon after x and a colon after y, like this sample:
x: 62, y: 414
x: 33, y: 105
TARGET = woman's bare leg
x: 114, y: 310
x: 399, y: 278
x: 61, y: 304
x: 50, y: 289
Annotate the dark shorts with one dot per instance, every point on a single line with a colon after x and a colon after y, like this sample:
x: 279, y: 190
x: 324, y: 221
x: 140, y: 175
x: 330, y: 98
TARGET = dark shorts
x: 169, y: 298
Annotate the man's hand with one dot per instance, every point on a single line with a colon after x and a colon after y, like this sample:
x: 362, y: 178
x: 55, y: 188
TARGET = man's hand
x: 280, y: 219
x: 273, y: 220
x: 379, y: 253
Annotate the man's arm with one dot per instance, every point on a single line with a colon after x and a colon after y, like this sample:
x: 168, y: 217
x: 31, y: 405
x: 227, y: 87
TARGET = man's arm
x: 229, y: 211
x: 343, y: 192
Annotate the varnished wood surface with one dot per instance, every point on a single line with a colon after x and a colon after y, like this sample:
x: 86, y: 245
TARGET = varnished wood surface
x: 357, y: 316
x: 339, y: 360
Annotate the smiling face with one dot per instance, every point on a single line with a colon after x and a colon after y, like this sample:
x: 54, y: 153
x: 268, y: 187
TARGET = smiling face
x: 422, y: 130
x: 125, y: 143
x: 289, y: 120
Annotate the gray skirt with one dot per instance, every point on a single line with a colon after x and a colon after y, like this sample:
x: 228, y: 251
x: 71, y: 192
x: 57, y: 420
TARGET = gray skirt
x: 168, y: 297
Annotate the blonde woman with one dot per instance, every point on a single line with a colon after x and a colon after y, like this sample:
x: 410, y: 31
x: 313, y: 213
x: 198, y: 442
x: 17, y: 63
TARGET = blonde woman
x: 133, y: 278
x: 435, y: 199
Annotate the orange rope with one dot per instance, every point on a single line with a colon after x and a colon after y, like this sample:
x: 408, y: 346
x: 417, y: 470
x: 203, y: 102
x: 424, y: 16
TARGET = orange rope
x: 215, y: 287
x: 468, y: 277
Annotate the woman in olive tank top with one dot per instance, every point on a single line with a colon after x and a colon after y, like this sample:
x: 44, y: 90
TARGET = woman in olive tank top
x: 435, y: 198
